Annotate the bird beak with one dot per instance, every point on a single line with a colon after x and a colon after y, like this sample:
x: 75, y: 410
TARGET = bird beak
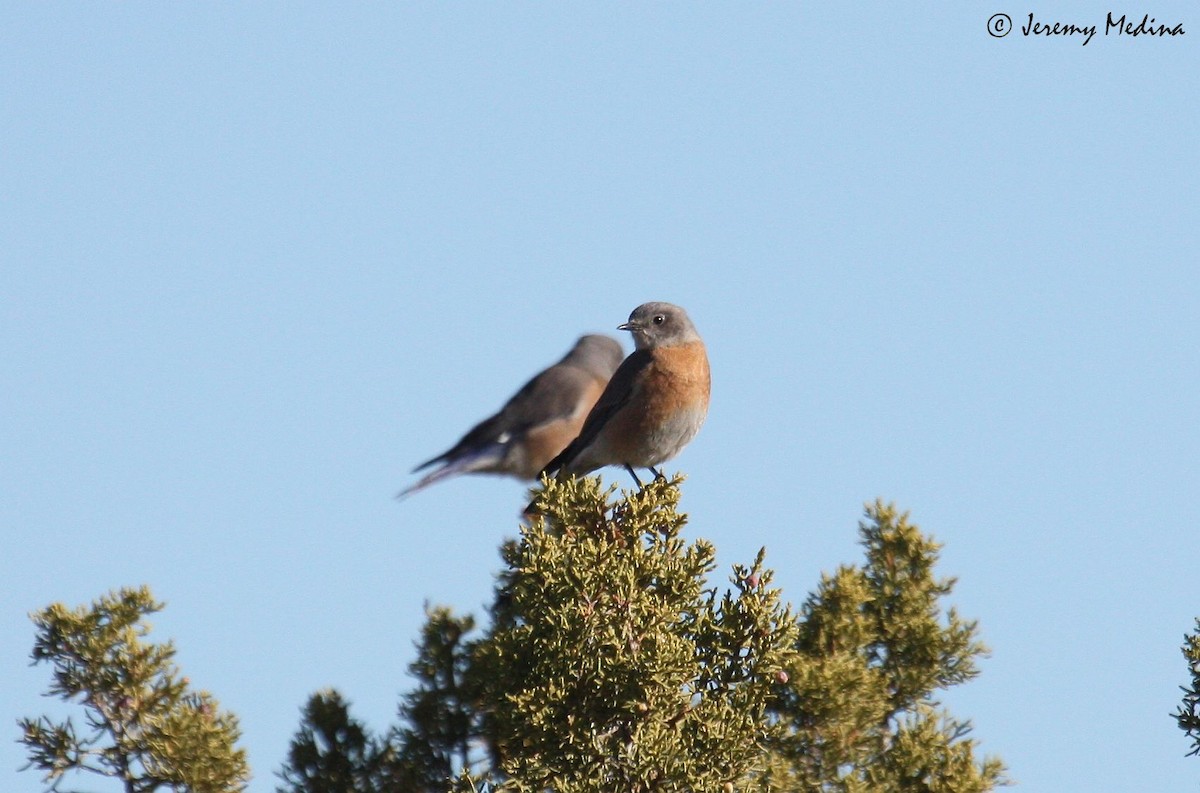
x: 626, y: 326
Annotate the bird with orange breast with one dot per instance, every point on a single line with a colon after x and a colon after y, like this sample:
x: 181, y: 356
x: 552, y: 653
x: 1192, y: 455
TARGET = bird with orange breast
x: 654, y: 404
x: 537, y: 422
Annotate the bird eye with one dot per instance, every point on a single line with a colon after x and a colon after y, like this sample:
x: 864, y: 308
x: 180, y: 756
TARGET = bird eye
x: 659, y: 319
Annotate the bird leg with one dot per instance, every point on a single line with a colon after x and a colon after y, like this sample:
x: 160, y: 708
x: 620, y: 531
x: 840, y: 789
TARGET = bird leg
x: 633, y: 473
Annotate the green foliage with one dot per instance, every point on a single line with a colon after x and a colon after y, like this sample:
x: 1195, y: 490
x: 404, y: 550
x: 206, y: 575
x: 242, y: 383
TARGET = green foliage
x: 859, y: 708
x: 614, y: 666
x: 332, y: 752
x: 335, y: 753
x: 437, y: 718
x: 1188, y: 714
x: 144, y: 726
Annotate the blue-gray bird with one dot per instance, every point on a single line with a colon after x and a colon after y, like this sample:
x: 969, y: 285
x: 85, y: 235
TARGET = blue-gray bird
x: 537, y: 423
x: 655, y: 403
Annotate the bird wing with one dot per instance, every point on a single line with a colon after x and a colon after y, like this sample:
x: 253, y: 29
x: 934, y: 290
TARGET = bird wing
x: 551, y: 395
x: 617, y: 393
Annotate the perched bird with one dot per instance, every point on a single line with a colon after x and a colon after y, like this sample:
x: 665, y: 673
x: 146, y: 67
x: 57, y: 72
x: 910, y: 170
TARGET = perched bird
x: 654, y: 404
x: 537, y: 423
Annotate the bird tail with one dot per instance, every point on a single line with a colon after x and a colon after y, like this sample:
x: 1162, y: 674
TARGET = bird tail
x: 477, y: 460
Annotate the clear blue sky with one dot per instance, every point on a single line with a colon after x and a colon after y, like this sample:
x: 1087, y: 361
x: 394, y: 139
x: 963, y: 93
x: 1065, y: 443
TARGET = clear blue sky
x: 260, y: 260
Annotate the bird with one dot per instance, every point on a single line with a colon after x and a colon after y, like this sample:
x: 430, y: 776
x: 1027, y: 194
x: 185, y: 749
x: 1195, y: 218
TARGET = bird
x: 536, y: 423
x: 654, y: 404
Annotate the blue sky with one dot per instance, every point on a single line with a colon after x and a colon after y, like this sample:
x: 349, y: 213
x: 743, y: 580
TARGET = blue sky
x: 260, y: 260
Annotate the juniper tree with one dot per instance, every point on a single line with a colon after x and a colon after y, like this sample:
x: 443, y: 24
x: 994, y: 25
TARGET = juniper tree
x: 1188, y: 713
x: 614, y: 665
x: 332, y: 752
x: 874, y: 649
x: 143, y: 724
x: 438, y: 719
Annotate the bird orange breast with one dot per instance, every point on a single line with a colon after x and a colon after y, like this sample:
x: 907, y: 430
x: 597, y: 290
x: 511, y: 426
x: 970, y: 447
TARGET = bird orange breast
x: 543, y: 443
x: 666, y: 408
